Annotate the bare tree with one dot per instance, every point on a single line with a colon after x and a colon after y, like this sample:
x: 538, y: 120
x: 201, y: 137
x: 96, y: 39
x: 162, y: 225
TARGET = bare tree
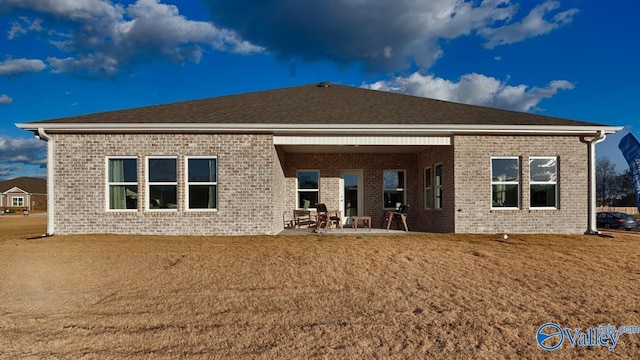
x: 625, y: 194
x: 605, y: 180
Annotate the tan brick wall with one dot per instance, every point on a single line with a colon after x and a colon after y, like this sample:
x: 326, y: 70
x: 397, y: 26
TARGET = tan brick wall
x: 472, y: 166
x: 257, y: 184
x: 247, y: 201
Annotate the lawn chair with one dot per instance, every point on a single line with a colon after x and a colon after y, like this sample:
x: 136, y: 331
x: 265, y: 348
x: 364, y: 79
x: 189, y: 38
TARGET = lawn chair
x: 303, y: 218
x: 398, y: 216
x: 327, y: 220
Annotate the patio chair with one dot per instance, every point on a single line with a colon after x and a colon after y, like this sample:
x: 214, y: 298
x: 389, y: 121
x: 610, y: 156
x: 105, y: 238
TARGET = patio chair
x: 303, y: 218
x: 326, y: 219
x: 399, y: 217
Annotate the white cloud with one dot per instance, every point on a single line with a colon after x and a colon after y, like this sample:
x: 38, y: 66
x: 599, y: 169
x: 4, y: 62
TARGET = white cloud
x: 532, y: 25
x: 473, y: 89
x: 18, y: 150
x: 5, y: 99
x: 103, y: 38
x: 19, y: 66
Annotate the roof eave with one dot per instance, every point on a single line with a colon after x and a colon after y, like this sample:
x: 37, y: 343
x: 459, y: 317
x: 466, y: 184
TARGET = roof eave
x: 366, y: 129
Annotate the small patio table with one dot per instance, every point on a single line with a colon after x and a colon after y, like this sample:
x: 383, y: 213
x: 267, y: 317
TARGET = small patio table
x: 366, y: 221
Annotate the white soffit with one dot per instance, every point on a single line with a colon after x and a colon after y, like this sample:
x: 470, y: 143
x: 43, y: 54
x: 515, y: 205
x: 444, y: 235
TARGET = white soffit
x: 362, y: 140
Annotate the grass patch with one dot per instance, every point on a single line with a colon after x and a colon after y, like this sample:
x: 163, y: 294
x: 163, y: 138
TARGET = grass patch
x: 415, y: 296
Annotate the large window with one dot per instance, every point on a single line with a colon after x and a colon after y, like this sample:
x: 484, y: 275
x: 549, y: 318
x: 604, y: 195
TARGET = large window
x: 202, y: 183
x: 428, y: 189
x: 505, y: 182
x: 393, y: 184
x: 543, y: 182
x: 162, y: 180
x: 17, y: 201
x: 308, y: 188
x: 438, y: 186
x: 122, y: 183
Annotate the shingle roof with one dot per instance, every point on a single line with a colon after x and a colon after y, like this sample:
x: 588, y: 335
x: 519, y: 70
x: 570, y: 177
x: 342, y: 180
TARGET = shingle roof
x: 28, y: 184
x: 313, y: 104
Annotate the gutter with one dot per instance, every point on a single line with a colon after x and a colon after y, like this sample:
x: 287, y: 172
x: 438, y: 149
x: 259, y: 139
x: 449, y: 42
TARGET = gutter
x: 318, y: 129
x: 591, y: 208
x: 42, y: 135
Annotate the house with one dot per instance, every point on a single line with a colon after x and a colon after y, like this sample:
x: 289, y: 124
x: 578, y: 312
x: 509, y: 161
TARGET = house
x: 236, y: 164
x: 23, y: 193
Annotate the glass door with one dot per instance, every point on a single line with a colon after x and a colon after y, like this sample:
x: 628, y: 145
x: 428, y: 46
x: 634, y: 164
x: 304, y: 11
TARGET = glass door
x: 350, y: 194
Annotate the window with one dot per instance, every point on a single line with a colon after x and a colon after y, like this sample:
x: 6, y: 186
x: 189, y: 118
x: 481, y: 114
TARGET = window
x: 543, y: 182
x: 308, y: 188
x: 122, y: 183
x: 17, y: 201
x: 438, y: 186
x: 202, y: 183
x: 162, y: 180
x: 428, y: 189
x: 505, y: 182
x: 393, y: 189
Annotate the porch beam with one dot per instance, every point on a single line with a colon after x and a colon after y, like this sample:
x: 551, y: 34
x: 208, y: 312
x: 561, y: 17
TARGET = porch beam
x: 361, y: 140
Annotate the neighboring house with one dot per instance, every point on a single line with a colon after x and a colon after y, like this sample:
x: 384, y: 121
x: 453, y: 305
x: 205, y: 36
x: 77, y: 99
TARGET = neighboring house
x: 23, y: 193
x: 236, y: 164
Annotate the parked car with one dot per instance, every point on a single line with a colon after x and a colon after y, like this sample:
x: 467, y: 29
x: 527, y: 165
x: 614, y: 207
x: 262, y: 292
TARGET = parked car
x: 616, y: 219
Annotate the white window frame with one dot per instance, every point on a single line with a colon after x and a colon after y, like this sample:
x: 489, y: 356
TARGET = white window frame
x: 428, y: 190
x: 13, y: 201
x: 555, y: 183
x: 161, y: 183
x: 437, y: 188
x: 506, y: 182
x: 298, y: 190
x: 403, y: 188
x: 208, y: 183
x: 108, y: 184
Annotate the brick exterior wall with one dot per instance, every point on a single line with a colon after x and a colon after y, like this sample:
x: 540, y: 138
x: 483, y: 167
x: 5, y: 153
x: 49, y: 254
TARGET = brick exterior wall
x: 432, y: 219
x: 250, y: 184
x: 257, y: 184
x: 472, y: 167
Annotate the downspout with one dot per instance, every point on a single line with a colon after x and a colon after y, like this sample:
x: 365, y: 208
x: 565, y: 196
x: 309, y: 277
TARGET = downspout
x: 591, y: 209
x: 42, y: 135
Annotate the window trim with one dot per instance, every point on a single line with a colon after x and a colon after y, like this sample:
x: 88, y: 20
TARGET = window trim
x: 148, y: 183
x: 555, y: 183
x: 519, y: 183
x: 428, y: 190
x: 210, y: 183
x: 311, y: 206
x: 13, y: 200
x: 404, y: 187
x: 124, y: 183
x: 437, y: 189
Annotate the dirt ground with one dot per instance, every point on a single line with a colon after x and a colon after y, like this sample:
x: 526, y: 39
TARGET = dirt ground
x: 410, y: 296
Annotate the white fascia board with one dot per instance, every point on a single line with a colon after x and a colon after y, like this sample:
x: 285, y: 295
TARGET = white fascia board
x: 361, y: 140
x: 370, y: 129
x: 15, y: 190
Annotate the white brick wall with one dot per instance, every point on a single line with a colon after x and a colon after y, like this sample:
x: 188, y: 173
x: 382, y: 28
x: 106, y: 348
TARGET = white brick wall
x: 249, y: 178
x: 472, y: 158
x: 257, y: 184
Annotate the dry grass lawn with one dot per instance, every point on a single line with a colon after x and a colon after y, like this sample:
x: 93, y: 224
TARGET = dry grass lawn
x: 414, y: 296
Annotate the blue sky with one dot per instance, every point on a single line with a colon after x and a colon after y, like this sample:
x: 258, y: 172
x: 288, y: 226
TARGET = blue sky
x: 576, y: 59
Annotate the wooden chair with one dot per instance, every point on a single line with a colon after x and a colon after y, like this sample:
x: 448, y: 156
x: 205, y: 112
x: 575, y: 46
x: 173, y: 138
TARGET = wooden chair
x: 399, y: 216
x: 303, y: 218
x: 326, y: 219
